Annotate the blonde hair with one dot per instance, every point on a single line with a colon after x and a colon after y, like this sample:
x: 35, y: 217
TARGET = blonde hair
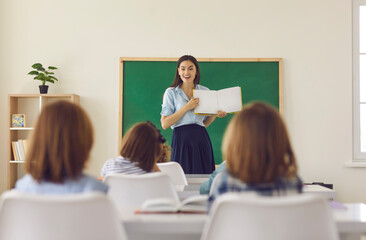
x: 61, y: 143
x: 256, y: 146
x: 142, y: 144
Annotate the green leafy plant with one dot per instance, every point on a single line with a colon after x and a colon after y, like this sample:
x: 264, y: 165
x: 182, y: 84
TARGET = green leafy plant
x: 42, y: 74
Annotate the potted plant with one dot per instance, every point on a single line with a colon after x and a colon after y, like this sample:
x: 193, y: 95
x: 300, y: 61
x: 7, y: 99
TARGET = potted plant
x: 43, y: 75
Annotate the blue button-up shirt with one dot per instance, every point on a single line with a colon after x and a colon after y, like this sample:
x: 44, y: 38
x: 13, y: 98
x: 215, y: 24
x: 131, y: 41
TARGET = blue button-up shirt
x: 82, y: 184
x: 174, y: 99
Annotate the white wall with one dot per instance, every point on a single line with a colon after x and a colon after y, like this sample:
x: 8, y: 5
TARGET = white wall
x: 85, y: 39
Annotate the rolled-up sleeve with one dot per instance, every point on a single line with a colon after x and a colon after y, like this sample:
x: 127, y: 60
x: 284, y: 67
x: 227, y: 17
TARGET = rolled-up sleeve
x: 168, y: 107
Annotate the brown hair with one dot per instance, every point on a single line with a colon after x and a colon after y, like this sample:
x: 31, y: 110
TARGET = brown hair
x: 142, y: 144
x: 177, y: 79
x: 165, y: 154
x: 256, y: 146
x: 61, y: 143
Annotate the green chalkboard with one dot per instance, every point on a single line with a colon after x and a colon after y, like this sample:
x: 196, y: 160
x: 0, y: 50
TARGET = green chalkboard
x: 144, y: 81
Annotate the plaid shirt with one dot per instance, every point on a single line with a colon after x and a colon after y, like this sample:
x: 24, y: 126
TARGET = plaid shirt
x: 279, y: 188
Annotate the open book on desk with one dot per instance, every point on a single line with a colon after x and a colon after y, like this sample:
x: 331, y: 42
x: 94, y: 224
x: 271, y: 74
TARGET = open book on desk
x: 194, y: 204
x: 227, y: 100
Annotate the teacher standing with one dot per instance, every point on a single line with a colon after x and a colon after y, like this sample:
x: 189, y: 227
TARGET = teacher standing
x: 191, y: 144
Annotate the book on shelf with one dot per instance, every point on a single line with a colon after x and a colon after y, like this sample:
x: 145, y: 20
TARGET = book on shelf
x: 17, y: 150
x: 15, y: 155
x: 193, y: 204
x: 211, y: 101
x: 20, y: 149
x: 25, y: 146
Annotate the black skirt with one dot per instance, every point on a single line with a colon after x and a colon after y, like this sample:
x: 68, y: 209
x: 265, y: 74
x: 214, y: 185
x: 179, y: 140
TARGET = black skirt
x: 192, y: 149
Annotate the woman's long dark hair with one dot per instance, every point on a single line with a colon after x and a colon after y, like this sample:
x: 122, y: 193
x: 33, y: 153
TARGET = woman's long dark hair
x: 177, y: 79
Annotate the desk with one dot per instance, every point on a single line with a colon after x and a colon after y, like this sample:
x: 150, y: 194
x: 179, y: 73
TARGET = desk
x: 189, y: 191
x: 196, y: 178
x: 164, y: 226
x: 350, y: 219
x: 193, y: 189
x: 320, y: 190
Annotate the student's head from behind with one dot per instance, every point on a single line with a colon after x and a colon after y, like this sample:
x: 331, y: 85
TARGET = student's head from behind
x: 187, y: 69
x: 256, y: 145
x: 61, y: 143
x: 165, y: 154
x: 142, y: 144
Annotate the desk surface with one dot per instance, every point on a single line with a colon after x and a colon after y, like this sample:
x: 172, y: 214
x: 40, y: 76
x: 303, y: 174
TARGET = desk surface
x: 193, y: 189
x: 350, y: 219
x: 190, y: 226
x: 320, y: 190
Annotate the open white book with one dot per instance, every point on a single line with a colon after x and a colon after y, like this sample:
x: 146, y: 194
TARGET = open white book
x: 227, y: 100
x: 194, y: 204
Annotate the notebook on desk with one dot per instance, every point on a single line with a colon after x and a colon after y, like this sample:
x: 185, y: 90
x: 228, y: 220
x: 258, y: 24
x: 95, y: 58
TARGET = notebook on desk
x: 192, y: 187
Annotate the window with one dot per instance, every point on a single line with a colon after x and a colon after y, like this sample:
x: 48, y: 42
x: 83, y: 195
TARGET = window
x: 359, y: 79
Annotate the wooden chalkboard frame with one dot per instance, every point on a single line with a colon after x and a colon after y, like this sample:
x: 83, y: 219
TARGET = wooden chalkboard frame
x: 124, y: 59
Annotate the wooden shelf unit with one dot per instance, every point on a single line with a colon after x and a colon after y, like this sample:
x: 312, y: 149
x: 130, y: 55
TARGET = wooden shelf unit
x: 30, y: 105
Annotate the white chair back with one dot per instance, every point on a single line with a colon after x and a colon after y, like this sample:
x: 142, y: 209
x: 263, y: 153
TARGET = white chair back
x: 72, y: 217
x: 300, y: 217
x: 215, y: 183
x: 129, y: 191
x: 175, y: 171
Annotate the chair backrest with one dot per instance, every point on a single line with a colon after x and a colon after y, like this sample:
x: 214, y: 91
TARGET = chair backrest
x: 129, y: 191
x: 73, y: 217
x: 175, y: 171
x: 215, y: 182
x: 300, y: 217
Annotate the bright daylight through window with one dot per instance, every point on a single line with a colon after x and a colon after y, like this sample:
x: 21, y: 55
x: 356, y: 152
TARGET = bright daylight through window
x: 359, y: 78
